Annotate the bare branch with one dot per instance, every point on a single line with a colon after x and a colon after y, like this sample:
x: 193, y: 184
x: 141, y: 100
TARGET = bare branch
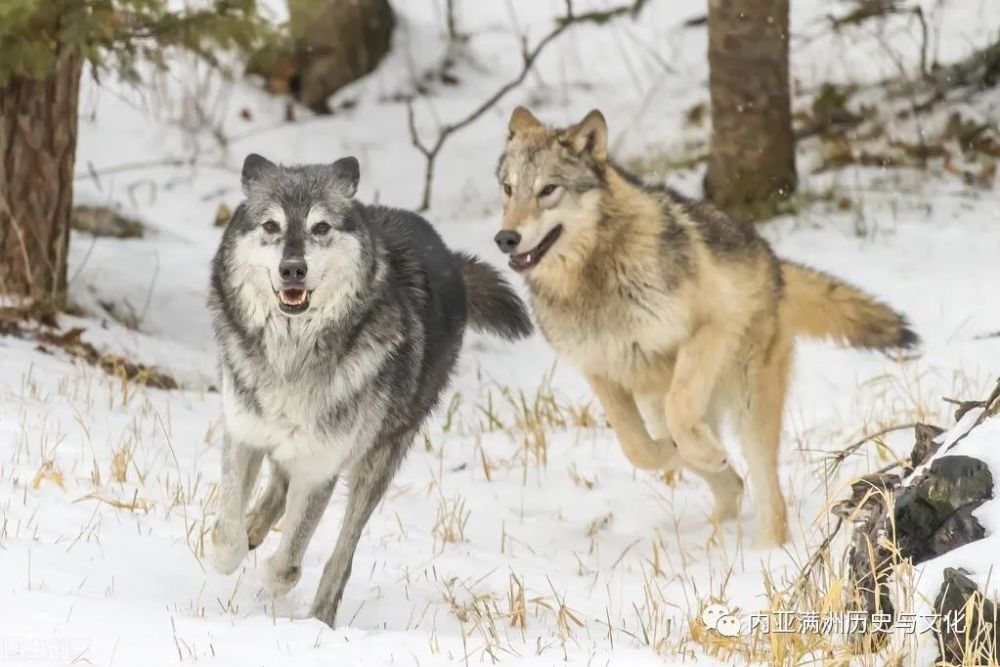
x: 840, y: 455
x: 529, y: 57
x: 601, y: 17
x: 450, y: 20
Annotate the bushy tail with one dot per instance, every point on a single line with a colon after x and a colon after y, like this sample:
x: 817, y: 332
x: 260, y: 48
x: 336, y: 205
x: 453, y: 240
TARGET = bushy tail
x: 492, y: 304
x: 821, y: 306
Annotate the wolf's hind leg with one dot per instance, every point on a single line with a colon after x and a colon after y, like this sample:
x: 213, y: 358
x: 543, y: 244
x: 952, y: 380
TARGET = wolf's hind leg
x: 369, y: 477
x: 641, y: 450
x: 725, y: 485
x: 268, y: 508
x: 228, y: 544
x: 304, y: 506
x: 758, y: 417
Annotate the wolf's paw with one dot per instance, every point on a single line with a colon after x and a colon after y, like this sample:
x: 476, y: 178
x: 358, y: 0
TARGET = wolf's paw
x: 706, y: 460
x: 325, y: 612
x: 652, y: 454
x: 279, y: 578
x: 227, y: 548
x: 771, y: 531
x: 769, y: 540
x: 258, y: 527
x: 727, y: 489
x: 667, y: 454
x: 701, y: 451
x: 726, y: 509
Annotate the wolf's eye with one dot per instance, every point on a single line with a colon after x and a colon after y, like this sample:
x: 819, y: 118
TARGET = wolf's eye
x: 547, y: 190
x: 321, y: 228
x: 507, y: 189
x: 271, y: 227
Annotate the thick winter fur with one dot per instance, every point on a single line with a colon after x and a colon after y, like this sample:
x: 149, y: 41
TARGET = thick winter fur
x: 826, y: 307
x: 677, y: 314
x: 492, y: 304
x: 338, y: 327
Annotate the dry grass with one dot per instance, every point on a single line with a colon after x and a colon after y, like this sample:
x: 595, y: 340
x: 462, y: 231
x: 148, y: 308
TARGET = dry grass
x: 449, y: 524
x: 658, y: 578
x: 656, y: 618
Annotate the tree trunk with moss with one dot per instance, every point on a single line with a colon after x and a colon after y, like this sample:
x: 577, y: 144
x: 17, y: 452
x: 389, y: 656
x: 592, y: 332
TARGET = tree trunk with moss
x: 38, y: 130
x: 752, y: 162
x: 336, y: 42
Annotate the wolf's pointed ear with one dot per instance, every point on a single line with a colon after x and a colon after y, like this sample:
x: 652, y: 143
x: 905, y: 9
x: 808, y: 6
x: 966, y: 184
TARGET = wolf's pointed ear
x: 253, y: 167
x: 346, y: 174
x: 522, y: 120
x: 590, y: 135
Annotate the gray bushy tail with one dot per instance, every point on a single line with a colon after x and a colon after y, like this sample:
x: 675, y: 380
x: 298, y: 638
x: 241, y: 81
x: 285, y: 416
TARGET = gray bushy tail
x: 492, y: 304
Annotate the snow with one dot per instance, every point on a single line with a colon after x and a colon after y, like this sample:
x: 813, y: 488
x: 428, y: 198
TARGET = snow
x: 613, y: 562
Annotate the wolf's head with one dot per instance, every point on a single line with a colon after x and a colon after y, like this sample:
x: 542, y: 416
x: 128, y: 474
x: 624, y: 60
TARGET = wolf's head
x: 551, y: 184
x: 298, y: 243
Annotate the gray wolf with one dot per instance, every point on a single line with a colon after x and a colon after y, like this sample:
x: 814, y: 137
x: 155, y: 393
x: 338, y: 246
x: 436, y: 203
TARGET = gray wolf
x: 338, y: 326
x: 677, y: 314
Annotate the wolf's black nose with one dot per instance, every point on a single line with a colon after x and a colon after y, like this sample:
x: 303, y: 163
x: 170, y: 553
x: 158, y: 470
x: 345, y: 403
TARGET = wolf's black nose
x: 293, y: 269
x: 507, y: 241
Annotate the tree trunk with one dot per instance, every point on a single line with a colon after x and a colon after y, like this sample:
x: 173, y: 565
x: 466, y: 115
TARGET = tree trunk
x: 752, y: 163
x: 336, y: 42
x: 38, y: 125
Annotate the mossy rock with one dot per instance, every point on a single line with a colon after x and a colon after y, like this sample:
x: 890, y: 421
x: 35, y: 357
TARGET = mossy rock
x: 956, y: 481
x: 934, y: 513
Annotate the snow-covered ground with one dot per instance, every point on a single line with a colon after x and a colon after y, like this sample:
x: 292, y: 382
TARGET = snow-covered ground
x: 512, y: 534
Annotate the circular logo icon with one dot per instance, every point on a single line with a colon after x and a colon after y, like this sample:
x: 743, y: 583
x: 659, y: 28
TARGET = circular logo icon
x: 728, y: 626
x: 711, y: 614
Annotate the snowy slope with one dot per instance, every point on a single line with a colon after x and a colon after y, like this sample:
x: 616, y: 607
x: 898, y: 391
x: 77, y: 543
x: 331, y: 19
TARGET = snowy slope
x: 511, y: 537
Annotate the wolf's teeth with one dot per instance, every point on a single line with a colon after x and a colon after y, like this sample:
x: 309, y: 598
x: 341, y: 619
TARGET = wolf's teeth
x: 296, y: 298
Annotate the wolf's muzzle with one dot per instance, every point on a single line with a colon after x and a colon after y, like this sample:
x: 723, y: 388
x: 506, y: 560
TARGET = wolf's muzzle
x: 507, y: 240
x: 293, y: 270
x: 293, y: 297
x: 523, y: 261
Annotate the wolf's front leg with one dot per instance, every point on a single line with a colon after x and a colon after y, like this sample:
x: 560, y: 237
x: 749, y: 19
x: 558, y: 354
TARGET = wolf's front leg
x: 268, y: 508
x: 304, y: 506
x: 228, y: 544
x: 626, y: 420
x: 726, y: 485
x: 369, y: 478
x: 700, y: 360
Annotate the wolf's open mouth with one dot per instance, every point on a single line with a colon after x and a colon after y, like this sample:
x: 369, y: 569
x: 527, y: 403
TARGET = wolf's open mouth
x: 293, y: 300
x: 526, y: 260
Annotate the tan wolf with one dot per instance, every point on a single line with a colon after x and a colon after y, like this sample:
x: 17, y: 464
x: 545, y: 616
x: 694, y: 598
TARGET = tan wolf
x: 677, y: 314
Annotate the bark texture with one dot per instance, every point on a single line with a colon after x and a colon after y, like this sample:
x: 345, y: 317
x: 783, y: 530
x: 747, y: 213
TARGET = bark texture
x: 337, y: 42
x: 38, y: 130
x: 752, y: 163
